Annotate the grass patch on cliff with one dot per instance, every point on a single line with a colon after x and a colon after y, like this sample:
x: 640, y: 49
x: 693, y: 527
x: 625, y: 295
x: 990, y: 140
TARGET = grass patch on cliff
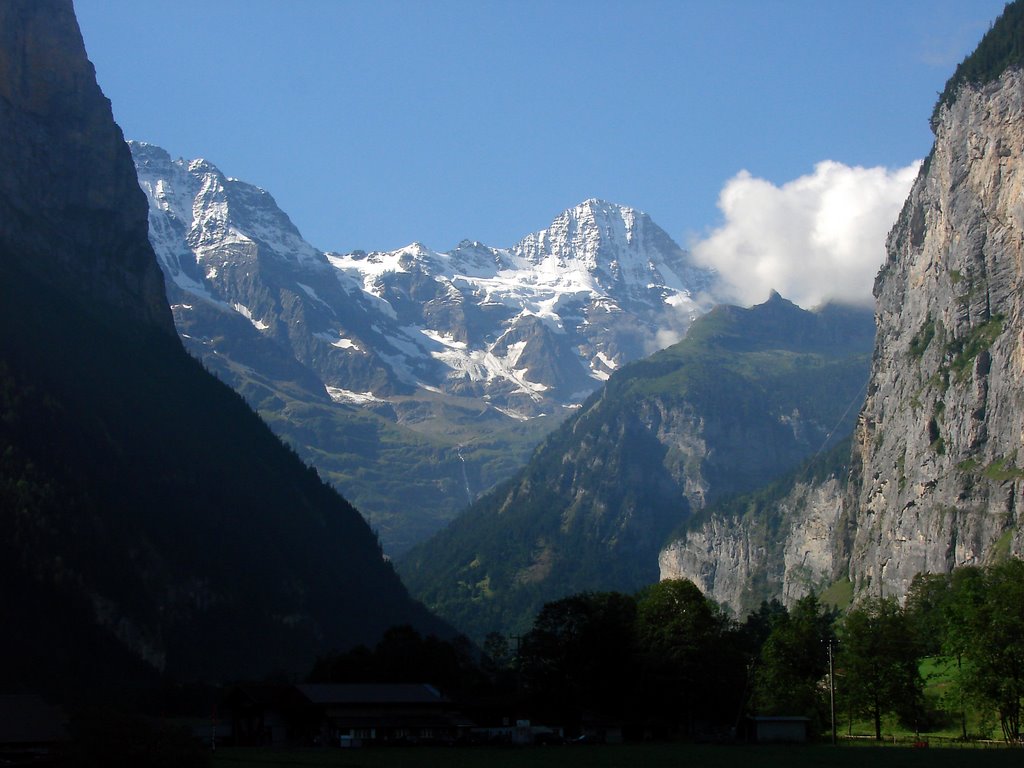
x: 969, y: 465
x: 967, y: 348
x: 920, y: 341
x: 1003, y: 470
x: 839, y: 594
x: 1001, y: 549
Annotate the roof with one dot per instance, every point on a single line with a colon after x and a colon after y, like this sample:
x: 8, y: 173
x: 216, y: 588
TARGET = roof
x: 259, y: 694
x: 419, y: 720
x: 371, y: 693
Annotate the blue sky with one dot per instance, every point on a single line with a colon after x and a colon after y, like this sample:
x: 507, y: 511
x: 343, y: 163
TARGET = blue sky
x: 375, y: 124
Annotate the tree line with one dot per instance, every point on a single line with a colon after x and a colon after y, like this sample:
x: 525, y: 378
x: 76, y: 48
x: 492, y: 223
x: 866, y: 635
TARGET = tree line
x: 1002, y: 47
x: 668, y: 661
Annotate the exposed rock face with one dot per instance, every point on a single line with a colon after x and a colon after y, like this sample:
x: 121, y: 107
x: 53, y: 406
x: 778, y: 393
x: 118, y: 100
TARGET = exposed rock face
x: 936, y: 469
x: 56, y: 122
x: 784, y: 551
x: 937, y: 455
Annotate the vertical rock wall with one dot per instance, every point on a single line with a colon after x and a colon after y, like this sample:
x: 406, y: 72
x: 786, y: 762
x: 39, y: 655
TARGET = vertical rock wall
x: 939, y: 448
x: 783, y: 551
x: 937, y: 467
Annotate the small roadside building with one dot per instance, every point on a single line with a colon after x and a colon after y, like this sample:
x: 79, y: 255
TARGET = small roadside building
x: 383, y: 713
x: 781, y: 729
x: 345, y: 715
x: 261, y: 714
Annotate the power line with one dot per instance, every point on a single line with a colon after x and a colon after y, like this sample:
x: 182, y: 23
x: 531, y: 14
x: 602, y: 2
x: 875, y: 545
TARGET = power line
x: 858, y: 397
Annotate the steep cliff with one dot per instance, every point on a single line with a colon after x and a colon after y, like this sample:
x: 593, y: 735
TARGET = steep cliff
x: 150, y: 524
x: 937, y: 466
x: 778, y: 542
x: 938, y: 448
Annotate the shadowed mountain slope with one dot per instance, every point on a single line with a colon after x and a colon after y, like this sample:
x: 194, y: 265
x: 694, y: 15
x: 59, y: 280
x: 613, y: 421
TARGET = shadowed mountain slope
x: 150, y: 523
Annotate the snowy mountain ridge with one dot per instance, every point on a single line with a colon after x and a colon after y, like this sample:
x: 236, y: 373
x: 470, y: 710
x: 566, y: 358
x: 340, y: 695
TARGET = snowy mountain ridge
x: 529, y: 328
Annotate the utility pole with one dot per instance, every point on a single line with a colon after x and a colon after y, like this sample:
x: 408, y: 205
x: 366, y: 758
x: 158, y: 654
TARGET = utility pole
x: 832, y: 690
x: 519, y: 669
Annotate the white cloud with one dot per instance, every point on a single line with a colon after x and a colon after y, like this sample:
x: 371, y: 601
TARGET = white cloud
x: 817, y: 238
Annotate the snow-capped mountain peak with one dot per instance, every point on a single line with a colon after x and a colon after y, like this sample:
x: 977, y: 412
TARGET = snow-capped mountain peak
x: 584, y: 234
x: 526, y: 329
x: 212, y: 210
x: 620, y: 250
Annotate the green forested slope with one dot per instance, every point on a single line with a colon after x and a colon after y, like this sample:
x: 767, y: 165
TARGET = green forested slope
x: 748, y: 395
x: 1002, y: 47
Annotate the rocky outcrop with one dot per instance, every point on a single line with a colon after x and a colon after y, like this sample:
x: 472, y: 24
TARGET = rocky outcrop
x: 781, y: 549
x: 940, y: 442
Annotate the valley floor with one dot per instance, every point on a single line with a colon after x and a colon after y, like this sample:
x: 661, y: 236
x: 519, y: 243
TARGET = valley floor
x: 625, y: 756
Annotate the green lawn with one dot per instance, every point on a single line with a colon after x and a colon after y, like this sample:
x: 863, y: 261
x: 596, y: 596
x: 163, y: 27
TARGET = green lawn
x: 641, y: 755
